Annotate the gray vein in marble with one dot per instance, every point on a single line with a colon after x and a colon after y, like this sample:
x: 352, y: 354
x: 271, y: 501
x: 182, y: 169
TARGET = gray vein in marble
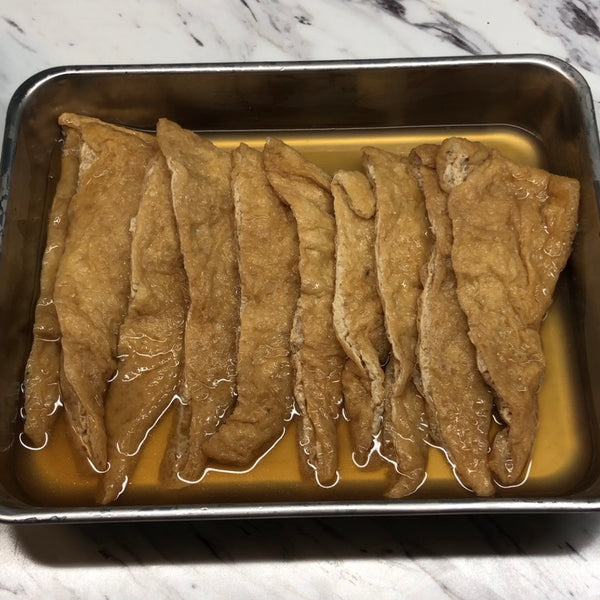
x: 441, y: 25
x: 303, y: 19
x: 15, y: 591
x: 273, y: 22
x: 197, y: 40
x: 392, y: 7
x: 562, y: 19
x: 444, y: 587
x: 579, y: 18
x: 14, y: 24
x: 249, y: 9
x: 20, y: 42
x: 185, y: 24
x: 450, y: 29
x: 575, y: 551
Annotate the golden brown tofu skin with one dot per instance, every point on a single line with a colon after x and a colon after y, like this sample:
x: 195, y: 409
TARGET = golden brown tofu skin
x: 150, y: 350
x: 520, y: 223
x: 357, y: 311
x: 317, y: 356
x: 358, y: 409
x: 404, y: 433
x: 269, y: 285
x: 91, y: 292
x: 42, y: 391
x: 402, y: 247
x: 459, y: 401
x: 204, y: 213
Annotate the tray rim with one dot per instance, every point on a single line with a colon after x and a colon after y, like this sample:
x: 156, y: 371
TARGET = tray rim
x: 377, y: 508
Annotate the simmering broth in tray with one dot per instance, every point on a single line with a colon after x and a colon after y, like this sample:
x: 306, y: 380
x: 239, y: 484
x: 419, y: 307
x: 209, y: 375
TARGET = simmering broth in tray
x: 54, y: 475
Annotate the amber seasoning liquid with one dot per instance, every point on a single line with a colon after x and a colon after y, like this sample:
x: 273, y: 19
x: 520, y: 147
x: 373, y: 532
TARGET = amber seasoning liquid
x: 54, y: 475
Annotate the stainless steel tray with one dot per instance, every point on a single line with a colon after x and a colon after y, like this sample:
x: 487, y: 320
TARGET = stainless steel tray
x: 542, y: 97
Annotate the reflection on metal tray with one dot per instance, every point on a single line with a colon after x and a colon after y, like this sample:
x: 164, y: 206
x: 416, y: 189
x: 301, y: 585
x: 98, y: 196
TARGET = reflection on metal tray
x: 536, y: 109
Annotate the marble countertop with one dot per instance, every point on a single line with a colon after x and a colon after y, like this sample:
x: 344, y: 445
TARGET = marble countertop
x: 466, y: 557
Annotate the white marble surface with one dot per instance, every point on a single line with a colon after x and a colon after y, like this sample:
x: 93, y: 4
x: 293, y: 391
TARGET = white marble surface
x: 553, y: 556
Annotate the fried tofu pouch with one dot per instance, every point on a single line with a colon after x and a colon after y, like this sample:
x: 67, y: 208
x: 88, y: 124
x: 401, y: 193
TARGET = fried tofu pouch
x: 357, y: 310
x: 267, y: 244
x: 519, y: 222
x: 42, y: 390
x: 91, y: 291
x: 150, y: 350
x: 458, y: 399
x: 317, y: 356
x: 204, y: 213
x: 402, y: 246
